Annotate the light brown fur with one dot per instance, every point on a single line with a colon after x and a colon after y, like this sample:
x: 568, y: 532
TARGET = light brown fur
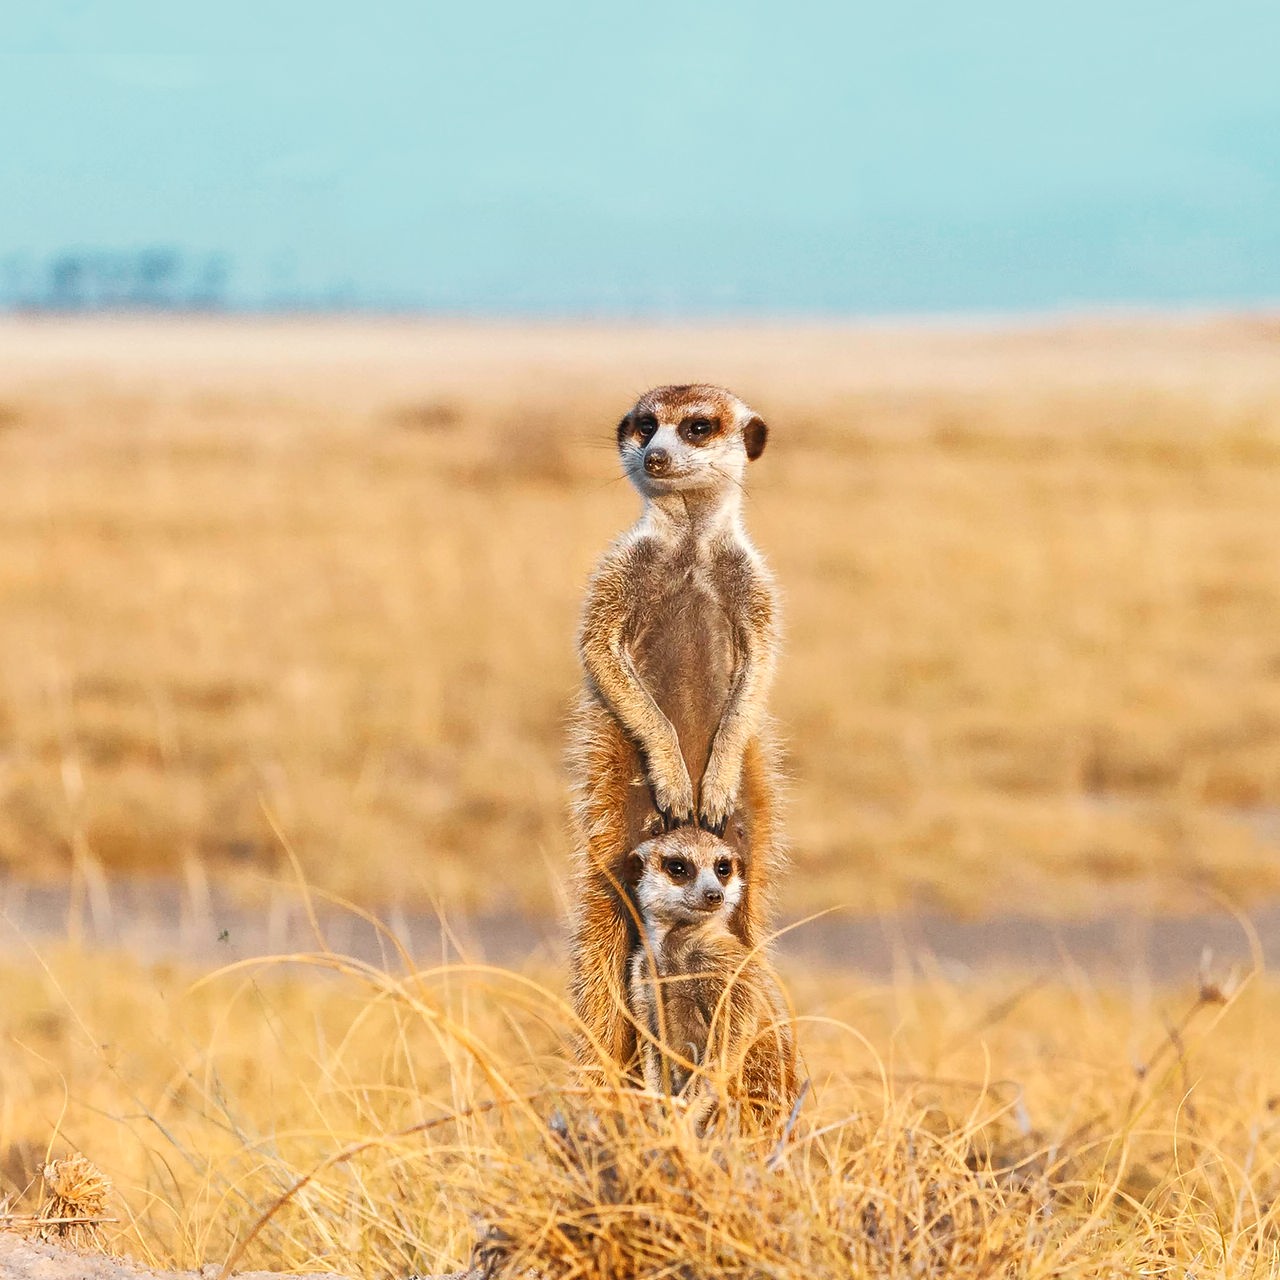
x: 713, y: 1022
x: 678, y: 643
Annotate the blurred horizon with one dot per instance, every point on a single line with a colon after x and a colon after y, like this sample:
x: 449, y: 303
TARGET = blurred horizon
x: 720, y: 160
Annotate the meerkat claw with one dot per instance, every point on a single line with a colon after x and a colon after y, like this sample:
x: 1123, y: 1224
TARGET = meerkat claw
x: 674, y: 810
x: 670, y: 819
x: 716, y: 826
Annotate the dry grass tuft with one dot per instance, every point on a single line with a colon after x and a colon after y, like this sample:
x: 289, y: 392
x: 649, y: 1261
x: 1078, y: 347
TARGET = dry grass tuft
x: 627, y: 1190
x: 75, y: 1206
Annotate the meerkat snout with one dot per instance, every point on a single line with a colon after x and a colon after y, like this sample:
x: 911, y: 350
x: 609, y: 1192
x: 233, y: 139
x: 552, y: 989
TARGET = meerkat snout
x: 656, y: 461
x: 712, y: 897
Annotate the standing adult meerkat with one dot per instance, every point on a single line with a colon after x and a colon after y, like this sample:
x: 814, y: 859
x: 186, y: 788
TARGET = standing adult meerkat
x: 678, y: 642
x: 713, y: 1023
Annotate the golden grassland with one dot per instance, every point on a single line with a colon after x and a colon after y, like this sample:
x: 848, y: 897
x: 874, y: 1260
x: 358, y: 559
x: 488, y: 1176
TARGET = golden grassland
x: 320, y: 1114
x: 330, y: 572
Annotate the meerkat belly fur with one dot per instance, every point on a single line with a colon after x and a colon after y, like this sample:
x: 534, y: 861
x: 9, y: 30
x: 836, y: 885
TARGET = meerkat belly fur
x: 678, y: 644
x: 713, y: 1024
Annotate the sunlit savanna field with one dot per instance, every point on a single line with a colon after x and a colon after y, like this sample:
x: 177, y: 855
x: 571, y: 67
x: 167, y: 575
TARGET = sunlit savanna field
x: 330, y: 572
x: 307, y: 590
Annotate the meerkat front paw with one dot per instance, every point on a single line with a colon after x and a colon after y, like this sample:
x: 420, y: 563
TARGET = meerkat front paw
x: 673, y: 798
x: 718, y: 802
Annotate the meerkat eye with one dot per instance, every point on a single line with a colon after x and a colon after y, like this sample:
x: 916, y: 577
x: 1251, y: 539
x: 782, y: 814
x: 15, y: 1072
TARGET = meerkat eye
x: 700, y: 428
x: 724, y: 868
x: 645, y: 427
x: 677, y: 868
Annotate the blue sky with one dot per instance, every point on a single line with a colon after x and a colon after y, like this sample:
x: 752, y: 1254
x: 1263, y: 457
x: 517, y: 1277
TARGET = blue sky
x: 670, y: 158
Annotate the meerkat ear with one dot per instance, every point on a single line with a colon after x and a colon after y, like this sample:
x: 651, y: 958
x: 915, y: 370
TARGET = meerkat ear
x: 754, y: 435
x: 633, y: 867
x: 624, y: 428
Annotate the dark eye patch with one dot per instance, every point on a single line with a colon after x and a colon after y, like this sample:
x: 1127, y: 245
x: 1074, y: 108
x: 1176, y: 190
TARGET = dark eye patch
x: 677, y: 868
x: 699, y: 428
x: 646, y: 425
x: 724, y: 868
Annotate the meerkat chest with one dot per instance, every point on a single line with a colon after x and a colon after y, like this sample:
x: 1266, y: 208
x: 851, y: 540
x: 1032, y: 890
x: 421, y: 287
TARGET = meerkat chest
x: 683, y: 640
x: 675, y: 960
x: 683, y: 619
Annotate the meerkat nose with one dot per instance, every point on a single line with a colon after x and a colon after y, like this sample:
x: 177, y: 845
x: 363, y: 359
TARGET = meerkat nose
x: 713, y: 897
x: 656, y: 461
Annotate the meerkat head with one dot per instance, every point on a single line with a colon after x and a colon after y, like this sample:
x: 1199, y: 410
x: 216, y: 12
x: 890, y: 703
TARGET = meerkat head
x: 686, y: 876
x: 689, y: 438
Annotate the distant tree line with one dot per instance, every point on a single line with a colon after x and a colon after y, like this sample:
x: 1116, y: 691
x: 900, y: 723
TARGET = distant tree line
x: 151, y: 279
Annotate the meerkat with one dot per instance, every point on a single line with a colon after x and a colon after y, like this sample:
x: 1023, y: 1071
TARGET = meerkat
x: 711, y: 1013
x: 678, y: 643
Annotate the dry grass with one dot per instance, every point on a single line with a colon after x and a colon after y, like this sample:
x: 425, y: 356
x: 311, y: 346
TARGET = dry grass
x: 346, y: 1118
x: 75, y: 1204
x: 1033, y: 600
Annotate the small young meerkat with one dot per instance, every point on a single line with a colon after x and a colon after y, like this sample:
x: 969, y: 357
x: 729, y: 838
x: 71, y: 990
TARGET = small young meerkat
x: 678, y: 642
x: 711, y: 1013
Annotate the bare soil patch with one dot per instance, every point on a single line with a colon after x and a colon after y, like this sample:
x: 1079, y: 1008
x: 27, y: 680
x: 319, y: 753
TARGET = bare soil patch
x: 158, y: 919
x: 25, y: 1259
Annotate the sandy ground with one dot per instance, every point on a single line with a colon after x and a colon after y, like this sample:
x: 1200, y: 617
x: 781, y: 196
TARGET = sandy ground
x: 22, y: 1259
x: 367, y: 360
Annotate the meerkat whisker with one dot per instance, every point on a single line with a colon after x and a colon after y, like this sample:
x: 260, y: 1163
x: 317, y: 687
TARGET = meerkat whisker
x: 731, y: 478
